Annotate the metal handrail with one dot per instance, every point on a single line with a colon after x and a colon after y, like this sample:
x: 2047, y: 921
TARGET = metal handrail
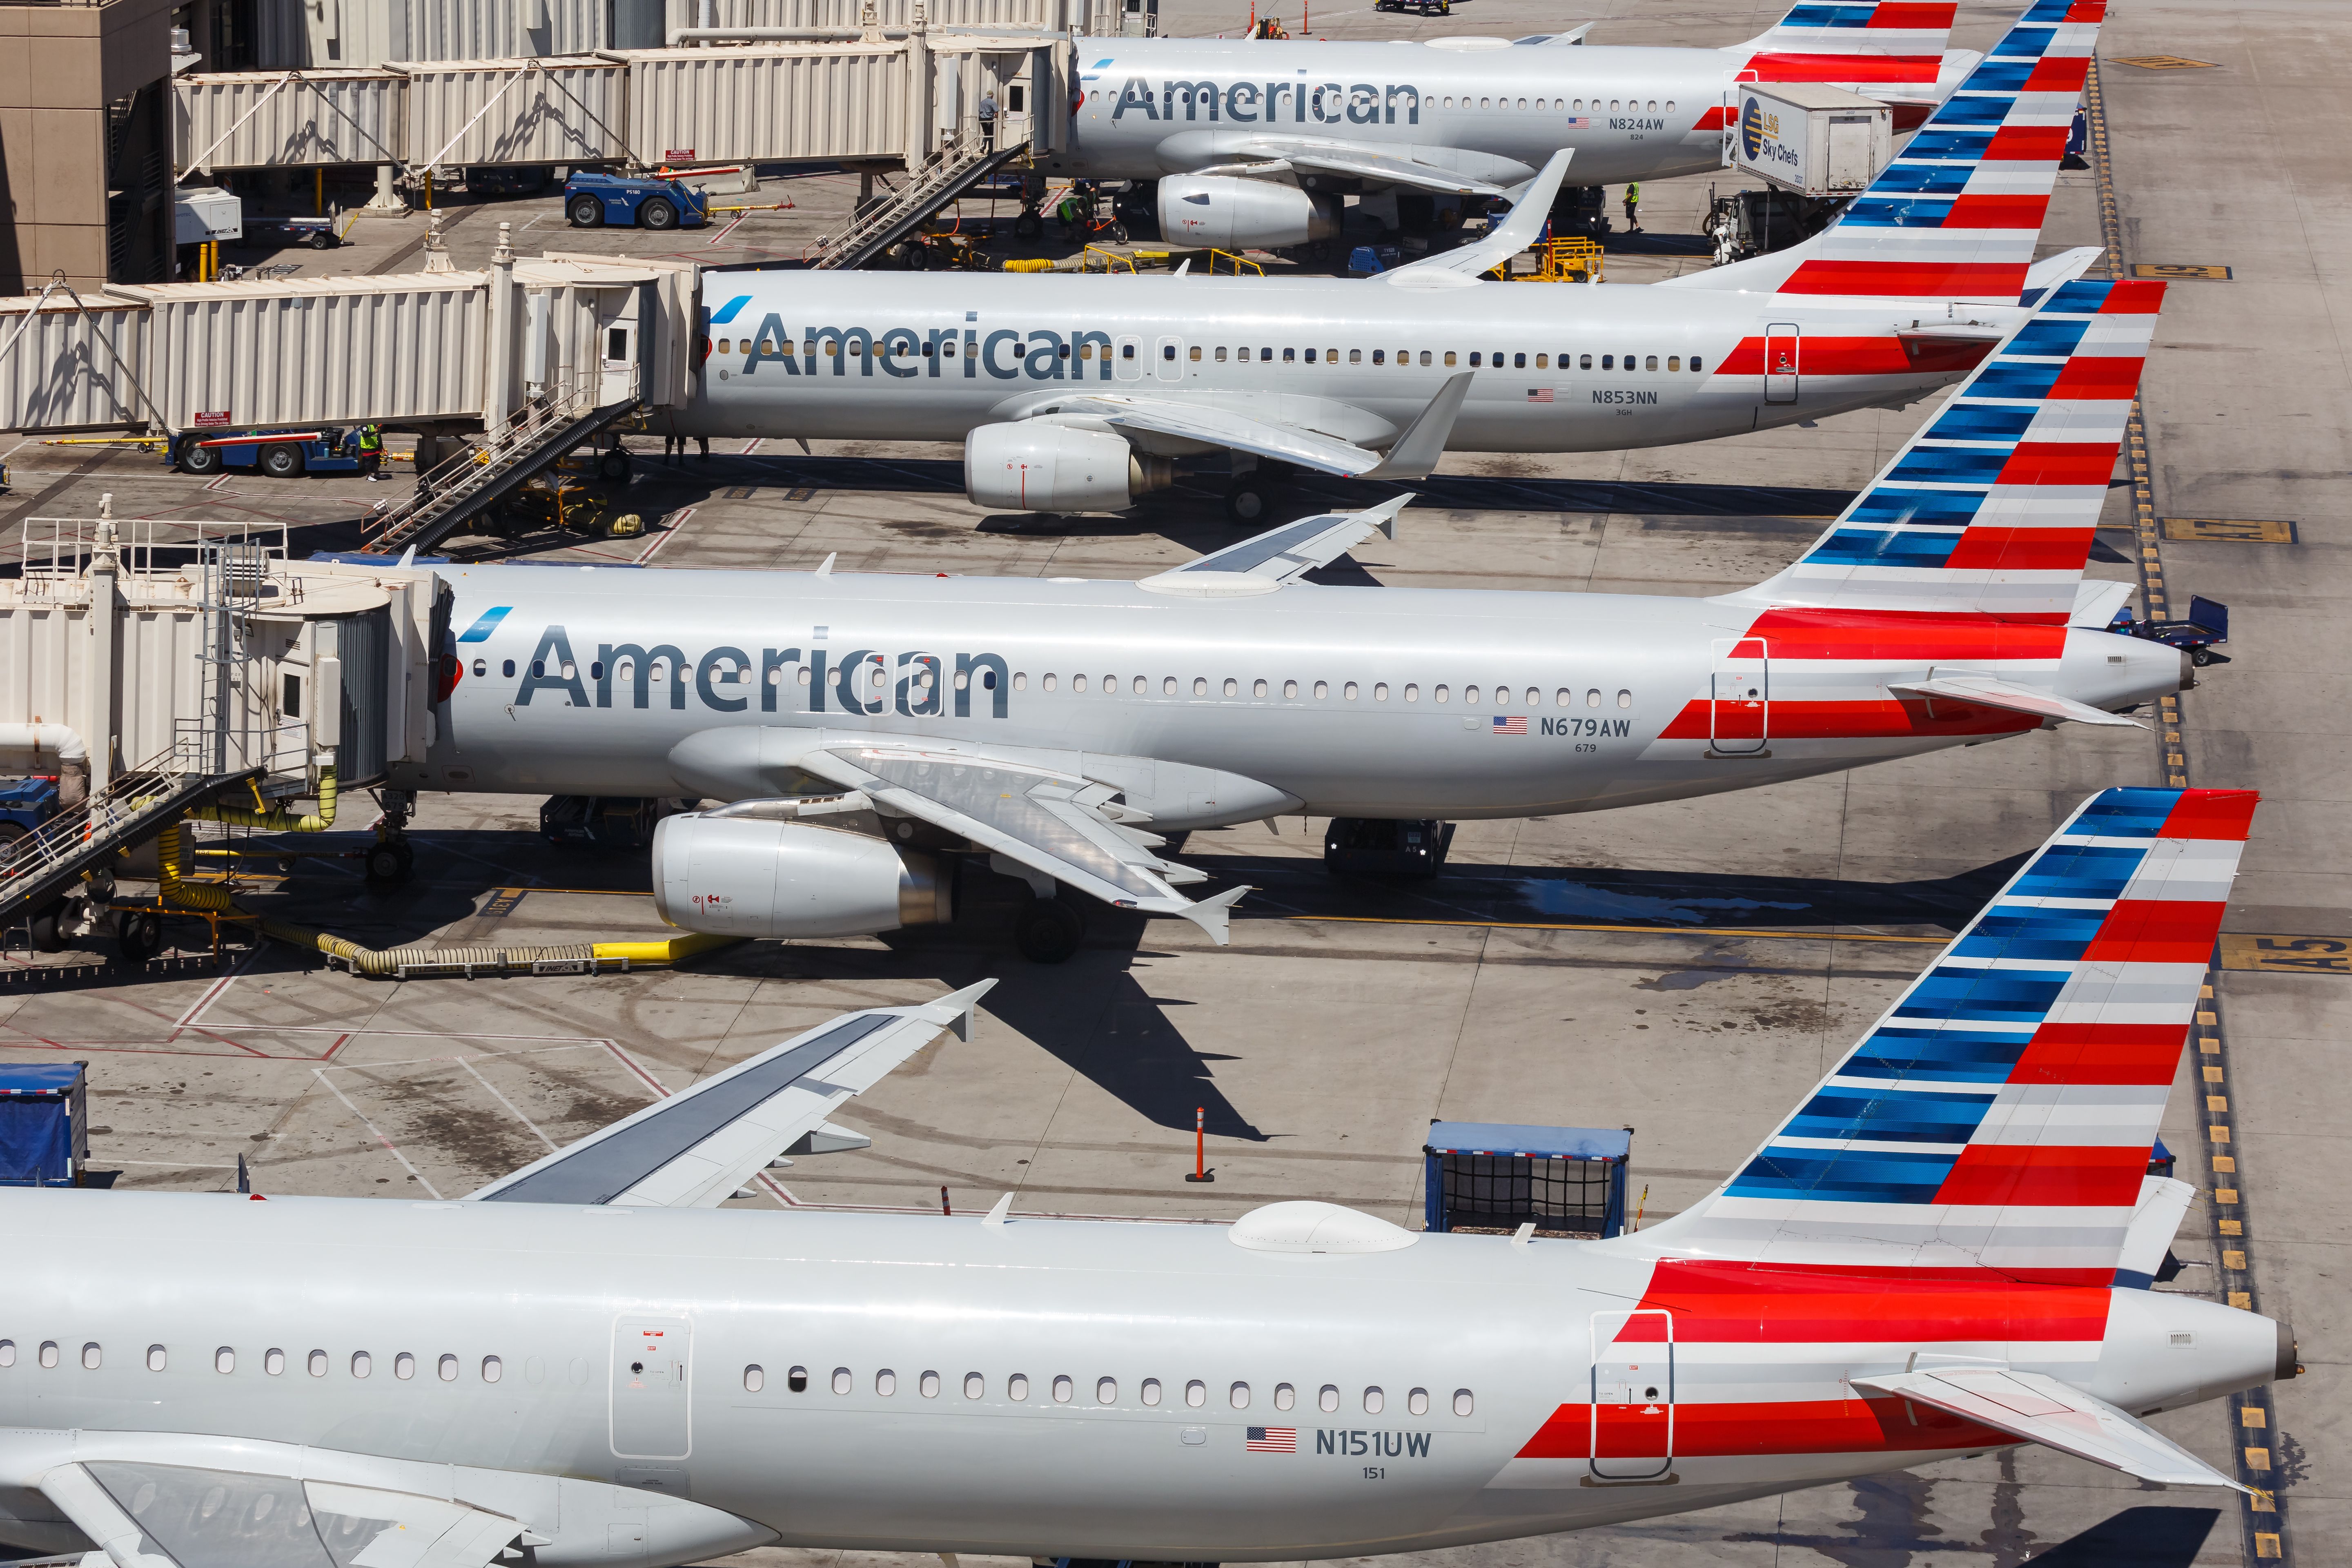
x: 1109, y: 257
x: 1239, y: 262
x: 455, y: 479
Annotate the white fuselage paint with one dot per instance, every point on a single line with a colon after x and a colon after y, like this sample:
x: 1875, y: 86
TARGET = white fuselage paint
x: 554, y: 1292
x: 1371, y: 754
x: 1023, y: 345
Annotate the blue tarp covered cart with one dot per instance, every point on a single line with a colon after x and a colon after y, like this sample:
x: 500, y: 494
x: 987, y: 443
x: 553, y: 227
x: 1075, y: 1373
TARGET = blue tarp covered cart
x: 1492, y: 1176
x: 44, y: 1124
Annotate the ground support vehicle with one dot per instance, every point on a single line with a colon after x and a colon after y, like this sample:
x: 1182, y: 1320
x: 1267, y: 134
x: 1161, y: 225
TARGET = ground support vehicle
x: 2208, y: 623
x: 601, y: 201
x: 282, y: 454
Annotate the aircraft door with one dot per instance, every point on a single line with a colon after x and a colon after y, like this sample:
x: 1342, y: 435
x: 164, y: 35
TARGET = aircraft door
x: 1632, y: 1435
x: 1781, y: 359
x: 1168, y: 359
x: 652, y: 1399
x: 1739, y: 706
x: 1130, y: 358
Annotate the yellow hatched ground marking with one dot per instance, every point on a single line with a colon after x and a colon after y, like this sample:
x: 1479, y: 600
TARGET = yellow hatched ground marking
x: 2244, y: 529
x: 2164, y: 63
x: 2182, y: 271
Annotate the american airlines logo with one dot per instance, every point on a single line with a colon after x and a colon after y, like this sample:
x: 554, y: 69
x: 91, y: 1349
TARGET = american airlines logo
x: 1295, y: 102
x: 1003, y: 353
x: 789, y: 679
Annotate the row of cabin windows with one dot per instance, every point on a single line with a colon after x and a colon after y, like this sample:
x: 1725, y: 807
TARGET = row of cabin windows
x: 273, y: 1361
x: 1063, y: 1389
x: 1477, y: 359
x: 1545, y: 105
x: 1169, y: 684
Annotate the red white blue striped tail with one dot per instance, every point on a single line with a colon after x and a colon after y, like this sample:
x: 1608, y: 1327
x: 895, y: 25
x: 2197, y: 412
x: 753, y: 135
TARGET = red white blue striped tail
x: 1956, y: 216
x: 1891, y: 42
x: 2000, y: 1114
x: 1991, y: 506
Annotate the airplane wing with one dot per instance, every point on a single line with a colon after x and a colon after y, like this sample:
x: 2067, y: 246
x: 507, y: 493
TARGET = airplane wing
x: 1283, y: 554
x: 1264, y: 154
x: 1992, y: 693
x: 164, y: 1516
x: 2041, y: 1409
x: 695, y: 1149
x: 1526, y: 224
x: 1413, y: 455
x: 1046, y: 820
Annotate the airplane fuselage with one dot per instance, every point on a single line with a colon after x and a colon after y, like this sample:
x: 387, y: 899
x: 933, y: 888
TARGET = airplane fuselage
x: 1037, y: 1388
x: 1559, y: 367
x: 1368, y: 701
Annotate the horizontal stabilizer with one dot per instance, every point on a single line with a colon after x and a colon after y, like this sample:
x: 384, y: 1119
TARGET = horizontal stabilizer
x: 2041, y: 1409
x: 694, y: 1149
x: 2096, y: 602
x: 1990, y: 692
x: 2163, y: 1204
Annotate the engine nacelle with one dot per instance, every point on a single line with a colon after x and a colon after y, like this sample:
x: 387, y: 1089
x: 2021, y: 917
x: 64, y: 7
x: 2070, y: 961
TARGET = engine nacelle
x: 1037, y: 467
x: 736, y: 876
x: 1239, y: 215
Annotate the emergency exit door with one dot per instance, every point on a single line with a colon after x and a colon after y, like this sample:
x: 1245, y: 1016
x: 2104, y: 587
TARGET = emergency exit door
x: 652, y: 1399
x: 1781, y: 361
x: 1739, y: 709
x: 1632, y: 1435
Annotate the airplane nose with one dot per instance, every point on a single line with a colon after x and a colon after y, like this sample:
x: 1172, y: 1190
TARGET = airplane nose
x: 2287, y: 1365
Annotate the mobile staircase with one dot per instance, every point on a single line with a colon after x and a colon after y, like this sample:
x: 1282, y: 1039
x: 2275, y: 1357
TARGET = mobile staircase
x: 481, y: 476
x: 948, y: 174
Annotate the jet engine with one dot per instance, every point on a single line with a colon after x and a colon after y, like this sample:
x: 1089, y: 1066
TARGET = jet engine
x: 739, y: 876
x: 1037, y: 467
x: 1236, y: 214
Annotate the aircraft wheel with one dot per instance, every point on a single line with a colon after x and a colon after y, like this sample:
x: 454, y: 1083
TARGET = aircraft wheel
x: 45, y: 935
x: 1049, y: 932
x: 1028, y: 225
x: 613, y: 466
x: 586, y: 211
x: 390, y: 862
x: 1249, y: 501
x: 138, y: 933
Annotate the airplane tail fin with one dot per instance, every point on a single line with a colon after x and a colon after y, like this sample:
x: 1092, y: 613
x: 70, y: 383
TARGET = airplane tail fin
x: 1990, y: 507
x: 2000, y: 1114
x: 1956, y: 216
x: 1893, y: 44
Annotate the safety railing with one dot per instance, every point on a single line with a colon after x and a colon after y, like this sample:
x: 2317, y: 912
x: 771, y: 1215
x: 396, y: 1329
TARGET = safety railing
x: 448, y: 488
x: 56, y: 550
x: 1576, y: 261
x: 1111, y: 259
x: 1233, y: 263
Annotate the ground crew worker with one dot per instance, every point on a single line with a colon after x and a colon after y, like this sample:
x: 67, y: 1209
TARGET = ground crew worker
x: 988, y: 122
x: 1633, y: 201
x: 1072, y: 214
x: 371, y: 452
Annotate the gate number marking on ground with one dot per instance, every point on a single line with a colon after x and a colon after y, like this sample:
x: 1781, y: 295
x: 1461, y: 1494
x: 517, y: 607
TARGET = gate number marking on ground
x: 2181, y: 271
x: 2164, y: 63
x: 502, y: 902
x: 2288, y: 955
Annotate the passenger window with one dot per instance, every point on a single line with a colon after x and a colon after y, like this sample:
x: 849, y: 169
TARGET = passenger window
x: 1049, y: 684
x: 1584, y: 361
x: 1649, y: 363
x: 1322, y: 689
x: 1462, y: 1403
x: 1221, y: 356
x: 1196, y: 353
x: 1126, y: 351
x: 1518, y: 361
x: 1609, y: 361
x: 273, y: 1361
x: 1329, y: 1398
x: 91, y: 1357
x: 1625, y: 699
x: 1424, y: 357
x: 885, y: 1383
x: 1290, y: 691
x: 1355, y: 356
x: 1534, y: 698
x: 1063, y: 1388
x: 1196, y: 1393
x: 1470, y: 695
x: 49, y: 1352
x: 1257, y: 688
x: 1592, y: 699
x: 1240, y: 1395
x: 1674, y: 362
x: 481, y: 668
x: 403, y: 1366
x: 318, y: 1364
x: 1417, y: 1402
x: 508, y: 669
x: 157, y: 1357
x: 1380, y: 692
x: 1439, y: 693
x: 224, y: 1359
x: 1379, y: 357
x: 1563, y: 698
x: 1168, y: 351
x: 974, y: 1385
x: 1020, y: 679
x: 1106, y: 1391
x: 727, y: 345
x: 841, y: 1380
x: 1310, y: 356
x: 492, y: 1369
x: 1374, y: 1401
x: 1233, y: 687
x: 1350, y: 690
x: 1474, y: 360
x: 1694, y: 365
x: 1016, y: 1387
x: 1151, y: 1391
x: 1167, y: 686
x: 1290, y: 356
x: 754, y: 1379
x: 1284, y: 1396
x: 1543, y: 362
x: 796, y: 1379
x: 1142, y: 686
x: 1412, y: 693
x: 928, y: 1385
x: 362, y: 1363
x: 1078, y: 683
x: 1199, y: 686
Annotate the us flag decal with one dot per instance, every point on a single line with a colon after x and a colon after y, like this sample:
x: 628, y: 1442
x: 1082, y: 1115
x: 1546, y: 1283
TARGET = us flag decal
x: 1270, y: 1440
x: 1538, y: 394
x: 1510, y: 723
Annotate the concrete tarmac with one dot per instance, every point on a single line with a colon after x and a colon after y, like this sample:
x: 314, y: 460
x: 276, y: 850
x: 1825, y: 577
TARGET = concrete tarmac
x: 1687, y: 969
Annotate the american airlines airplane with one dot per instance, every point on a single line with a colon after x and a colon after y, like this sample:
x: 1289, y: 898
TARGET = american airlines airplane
x: 1085, y: 392
x: 861, y: 724
x: 1946, y: 1248
x: 1254, y: 142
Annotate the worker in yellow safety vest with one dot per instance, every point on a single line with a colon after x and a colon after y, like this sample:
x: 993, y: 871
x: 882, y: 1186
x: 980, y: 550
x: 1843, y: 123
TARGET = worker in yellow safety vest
x: 1633, y: 201
x: 371, y: 452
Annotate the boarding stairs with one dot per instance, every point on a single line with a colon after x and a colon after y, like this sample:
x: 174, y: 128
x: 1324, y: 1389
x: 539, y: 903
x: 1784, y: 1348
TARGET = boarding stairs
x: 948, y: 174
x: 480, y: 477
x: 138, y: 804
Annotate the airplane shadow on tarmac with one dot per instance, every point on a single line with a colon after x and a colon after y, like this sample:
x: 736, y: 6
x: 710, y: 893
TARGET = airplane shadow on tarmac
x: 2135, y: 1538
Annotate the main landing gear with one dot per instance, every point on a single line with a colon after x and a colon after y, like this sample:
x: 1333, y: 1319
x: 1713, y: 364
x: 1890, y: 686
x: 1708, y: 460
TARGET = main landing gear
x: 1048, y: 931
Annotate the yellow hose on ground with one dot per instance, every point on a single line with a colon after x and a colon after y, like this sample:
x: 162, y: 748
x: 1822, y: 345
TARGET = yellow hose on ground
x: 278, y: 821
x: 570, y: 958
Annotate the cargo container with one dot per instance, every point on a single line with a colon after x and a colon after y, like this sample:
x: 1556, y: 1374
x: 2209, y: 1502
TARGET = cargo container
x: 783, y: 103
x: 474, y: 111
x: 1815, y: 141
x: 243, y: 120
x: 401, y: 346
x: 44, y: 1123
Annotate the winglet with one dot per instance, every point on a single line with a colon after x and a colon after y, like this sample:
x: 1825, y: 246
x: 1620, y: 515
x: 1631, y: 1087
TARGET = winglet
x: 956, y: 1008
x: 994, y: 1217
x: 2052, y: 271
x: 1211, y: 914
x: 1529, y: 213
x: 1419, y: 450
